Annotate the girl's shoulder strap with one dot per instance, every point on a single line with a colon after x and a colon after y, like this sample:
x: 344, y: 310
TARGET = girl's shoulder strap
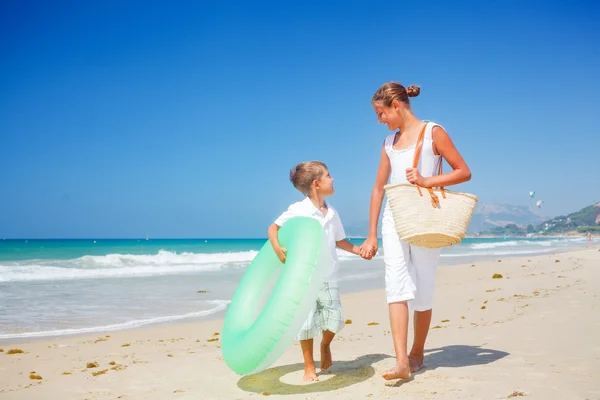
x: 429, y: 129
x: 389, y: 141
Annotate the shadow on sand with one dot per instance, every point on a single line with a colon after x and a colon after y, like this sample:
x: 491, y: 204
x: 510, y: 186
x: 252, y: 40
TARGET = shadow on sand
x: 456, y: 356
x: 345, y: 373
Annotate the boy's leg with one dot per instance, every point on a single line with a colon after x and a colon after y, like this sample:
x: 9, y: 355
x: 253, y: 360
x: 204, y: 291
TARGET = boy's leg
x: 424, y: 263
x: 326, y: 359
x: 310, y: 329
x: 310, y: 371
x: 332, y: 320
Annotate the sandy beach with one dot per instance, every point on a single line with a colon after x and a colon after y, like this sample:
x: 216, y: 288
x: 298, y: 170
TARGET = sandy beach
x: 531, y: 333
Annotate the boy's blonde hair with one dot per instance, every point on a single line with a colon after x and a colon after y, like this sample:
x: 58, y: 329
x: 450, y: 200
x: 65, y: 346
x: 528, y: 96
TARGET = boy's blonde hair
x: 303, y: 175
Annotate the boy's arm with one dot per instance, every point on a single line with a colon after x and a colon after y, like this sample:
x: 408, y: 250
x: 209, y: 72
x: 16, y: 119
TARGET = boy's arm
x: 273, y: 232
x: 274, y: 239
x: 340, y: 236
x: 347, y: 246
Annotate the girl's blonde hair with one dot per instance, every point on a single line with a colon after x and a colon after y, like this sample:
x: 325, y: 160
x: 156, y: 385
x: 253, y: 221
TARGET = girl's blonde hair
x: 303, y: 175
x: 388, y: 92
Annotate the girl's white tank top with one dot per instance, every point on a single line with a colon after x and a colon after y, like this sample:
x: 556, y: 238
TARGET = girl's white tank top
x: 400, y: 160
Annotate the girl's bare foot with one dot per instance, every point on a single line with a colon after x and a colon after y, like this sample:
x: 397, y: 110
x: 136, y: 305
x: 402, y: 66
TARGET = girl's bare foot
x: 310, y: 374
x: 397, y: 372
x: 416, y: 362
x: 326, y: 359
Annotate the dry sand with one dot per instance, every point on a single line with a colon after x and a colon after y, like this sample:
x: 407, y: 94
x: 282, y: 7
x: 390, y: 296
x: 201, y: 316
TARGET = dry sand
x: 534, y: 333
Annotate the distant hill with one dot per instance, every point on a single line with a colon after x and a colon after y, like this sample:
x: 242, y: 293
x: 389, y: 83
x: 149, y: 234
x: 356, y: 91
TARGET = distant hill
x: 586, y: 219
x: 489, y: 216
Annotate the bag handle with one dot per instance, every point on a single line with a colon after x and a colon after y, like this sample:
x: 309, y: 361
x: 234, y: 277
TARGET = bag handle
x: 435, y: 201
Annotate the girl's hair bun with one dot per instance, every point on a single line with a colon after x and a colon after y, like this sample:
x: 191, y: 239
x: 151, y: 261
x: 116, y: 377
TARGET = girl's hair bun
x: 413, y: 91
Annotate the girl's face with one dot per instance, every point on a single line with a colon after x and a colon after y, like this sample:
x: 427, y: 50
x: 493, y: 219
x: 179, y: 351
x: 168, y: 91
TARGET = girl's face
x: 390, y: 116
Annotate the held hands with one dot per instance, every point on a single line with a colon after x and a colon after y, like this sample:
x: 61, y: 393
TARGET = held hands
x: 280, y: 251
x: 414, y: 177
x: 368, y: 249
x: 367, y: 255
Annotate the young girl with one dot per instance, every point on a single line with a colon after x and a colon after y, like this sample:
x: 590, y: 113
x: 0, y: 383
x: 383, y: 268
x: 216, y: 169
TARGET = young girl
x: 314, y: 181
x: 409, y: 270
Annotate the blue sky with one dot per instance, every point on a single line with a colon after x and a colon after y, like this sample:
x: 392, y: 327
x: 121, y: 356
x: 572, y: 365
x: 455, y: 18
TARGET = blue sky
x: 182, y: 119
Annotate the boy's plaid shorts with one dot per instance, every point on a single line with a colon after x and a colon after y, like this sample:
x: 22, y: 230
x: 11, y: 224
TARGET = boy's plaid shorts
x: 326, y: 315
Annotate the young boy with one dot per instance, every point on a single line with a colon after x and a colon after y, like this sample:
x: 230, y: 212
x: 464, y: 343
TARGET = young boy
x: 314, y: 181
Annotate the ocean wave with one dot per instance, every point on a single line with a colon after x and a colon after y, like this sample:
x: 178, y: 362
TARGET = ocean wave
x: 48, y: 273
x: 499, y: 253
x: 167, y: 258
x: 130, y: 265
x: 218, y: 305
x: 511, y: 243
x: 122, y: 266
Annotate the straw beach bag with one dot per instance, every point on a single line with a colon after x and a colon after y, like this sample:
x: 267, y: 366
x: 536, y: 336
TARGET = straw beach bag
x: 436, y: 218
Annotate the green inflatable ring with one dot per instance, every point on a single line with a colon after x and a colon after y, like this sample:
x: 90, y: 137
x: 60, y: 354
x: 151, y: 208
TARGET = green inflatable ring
x: 260, y: 324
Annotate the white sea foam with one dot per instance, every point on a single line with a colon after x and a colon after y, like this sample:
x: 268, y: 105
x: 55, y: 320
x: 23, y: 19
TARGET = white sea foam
x: 511, y: 243
x: 498, y: 253
x: 167, y: 258
x: 122, y: 266
x: 218, y: 305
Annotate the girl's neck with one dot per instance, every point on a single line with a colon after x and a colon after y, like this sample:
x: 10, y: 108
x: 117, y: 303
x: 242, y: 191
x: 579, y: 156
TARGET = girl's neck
x: 409, y: 122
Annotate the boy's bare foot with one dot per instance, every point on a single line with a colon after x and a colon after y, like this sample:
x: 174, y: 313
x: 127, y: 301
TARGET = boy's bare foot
x: 310, y: 374
x: 326, y: 359
x: 397, y: 372
x: 416, y: 362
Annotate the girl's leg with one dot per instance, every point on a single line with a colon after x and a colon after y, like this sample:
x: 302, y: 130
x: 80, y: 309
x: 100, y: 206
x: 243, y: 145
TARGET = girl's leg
x: 422, y: 321
x: 399, y: 290
x: 424, y: 267
x: 399, y: 325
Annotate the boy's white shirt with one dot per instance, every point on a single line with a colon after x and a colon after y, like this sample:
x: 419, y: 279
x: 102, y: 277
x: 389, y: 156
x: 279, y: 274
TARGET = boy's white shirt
x: 331, y: 223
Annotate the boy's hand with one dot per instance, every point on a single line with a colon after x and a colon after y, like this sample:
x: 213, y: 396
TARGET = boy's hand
x: 280, y: 251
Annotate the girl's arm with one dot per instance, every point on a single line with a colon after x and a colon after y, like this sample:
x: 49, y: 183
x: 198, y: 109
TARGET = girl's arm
x: 442, y: 144
x: 383, y: 175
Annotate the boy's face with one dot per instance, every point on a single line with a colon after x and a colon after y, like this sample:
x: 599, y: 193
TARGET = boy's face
x: 325, y: 185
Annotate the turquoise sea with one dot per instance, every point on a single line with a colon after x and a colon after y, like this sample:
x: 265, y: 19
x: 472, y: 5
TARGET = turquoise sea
x: 62, y: 287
